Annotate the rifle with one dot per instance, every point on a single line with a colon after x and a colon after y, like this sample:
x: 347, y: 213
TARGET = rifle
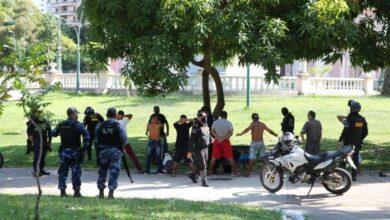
x: 126, y: 167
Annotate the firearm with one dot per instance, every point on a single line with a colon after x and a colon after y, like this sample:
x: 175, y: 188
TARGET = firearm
x: 126, y: 167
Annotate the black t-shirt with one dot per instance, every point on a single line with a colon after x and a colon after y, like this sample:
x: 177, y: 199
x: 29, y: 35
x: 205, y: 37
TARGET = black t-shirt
x: 162, y: 119
x: 183, y: 134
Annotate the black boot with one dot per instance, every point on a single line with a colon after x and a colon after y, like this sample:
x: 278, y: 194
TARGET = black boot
x: 192, y: 177
x: 77, y: 194
x: 63, y: 193
x: 204, y: 183
x: 101, y: 194
x: 44, y: 172
x: 111, y: 194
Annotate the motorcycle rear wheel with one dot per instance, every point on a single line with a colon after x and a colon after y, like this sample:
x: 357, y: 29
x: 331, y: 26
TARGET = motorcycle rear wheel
x: 331, y: 180
x: 1, y: 160
x: 271, y: 178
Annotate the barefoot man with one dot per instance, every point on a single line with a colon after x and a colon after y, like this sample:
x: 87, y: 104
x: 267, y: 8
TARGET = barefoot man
x: 257, y: 146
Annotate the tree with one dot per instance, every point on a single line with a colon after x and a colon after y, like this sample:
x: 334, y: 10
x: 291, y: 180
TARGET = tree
x: 160, y: 38
x: 371, y: 50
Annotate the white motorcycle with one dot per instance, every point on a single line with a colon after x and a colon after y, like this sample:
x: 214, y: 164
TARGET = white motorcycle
x: 306, y: 168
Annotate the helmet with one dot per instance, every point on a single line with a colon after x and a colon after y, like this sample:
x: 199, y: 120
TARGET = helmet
x: 287, y: 141
x: 89, y: 111
x: 354, y: 106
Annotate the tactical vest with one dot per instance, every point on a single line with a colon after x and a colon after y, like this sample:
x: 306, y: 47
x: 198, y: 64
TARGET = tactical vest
x: 70, y: 136
x: 109, y: 134
x: 93, y: 121
x: 356, y: 125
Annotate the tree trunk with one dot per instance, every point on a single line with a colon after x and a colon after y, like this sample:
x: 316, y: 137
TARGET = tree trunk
x: 386, y: 82
x: 206, y: 89
x: 220, y: 94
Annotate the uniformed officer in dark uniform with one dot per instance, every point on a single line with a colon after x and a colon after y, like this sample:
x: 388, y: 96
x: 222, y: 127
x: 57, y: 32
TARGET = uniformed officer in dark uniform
x: 354, y: 132
x: 288, y: 121
x: 198, y: 148
x: 33, y: 137
x: 71, y: 153
x: 109, y: 139
x: 91, y: 119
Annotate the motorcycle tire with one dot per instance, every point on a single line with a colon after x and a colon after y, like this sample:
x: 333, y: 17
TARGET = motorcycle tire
x: 1, y: 160
x: 264, y: 180
x: 344, y: 175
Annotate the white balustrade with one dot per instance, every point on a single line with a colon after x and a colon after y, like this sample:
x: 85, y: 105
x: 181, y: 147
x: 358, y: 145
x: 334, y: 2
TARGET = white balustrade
x: 303, y: 84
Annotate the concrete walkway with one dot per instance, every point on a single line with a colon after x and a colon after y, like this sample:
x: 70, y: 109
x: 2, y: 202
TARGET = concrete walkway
x: 369, y: 197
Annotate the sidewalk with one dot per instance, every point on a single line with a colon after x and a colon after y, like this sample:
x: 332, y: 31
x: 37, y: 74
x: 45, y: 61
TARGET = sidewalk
x: 369, y: 197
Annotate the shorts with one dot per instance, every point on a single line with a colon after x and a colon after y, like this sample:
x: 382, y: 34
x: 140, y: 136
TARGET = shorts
x: 222, y: 150
x: 180, y: 156
x: 256, y: 150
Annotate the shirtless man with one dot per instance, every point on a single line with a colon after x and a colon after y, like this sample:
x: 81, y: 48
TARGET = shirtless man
x: 257, y: 146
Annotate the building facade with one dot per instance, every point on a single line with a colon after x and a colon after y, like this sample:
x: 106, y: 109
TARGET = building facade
x: 42, y: 5
x: 66, y: 9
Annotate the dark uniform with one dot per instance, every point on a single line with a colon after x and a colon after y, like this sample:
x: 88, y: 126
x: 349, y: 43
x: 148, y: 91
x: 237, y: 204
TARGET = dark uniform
x: 90, y: 121
x: 70, y: 153
x: 198, y: 145
x: 288, y: 123
x: 354, y: 132
x: 109, y: 140
x: 46, y: 142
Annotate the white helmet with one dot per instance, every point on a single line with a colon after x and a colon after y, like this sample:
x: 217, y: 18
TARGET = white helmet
x: 287, y: 140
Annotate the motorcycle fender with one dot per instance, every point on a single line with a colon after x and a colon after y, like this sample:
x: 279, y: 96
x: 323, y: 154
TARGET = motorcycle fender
x: 351, y: 163
x: 276, y: 164
x: 323, y: 165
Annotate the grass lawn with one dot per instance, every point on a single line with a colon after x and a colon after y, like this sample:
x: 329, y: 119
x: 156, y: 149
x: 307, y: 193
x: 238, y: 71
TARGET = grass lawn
x: 22, y: 207
x: 376, y: 150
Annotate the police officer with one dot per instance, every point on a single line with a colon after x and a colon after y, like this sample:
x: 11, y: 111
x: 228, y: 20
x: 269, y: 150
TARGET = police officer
x: 109, y: 140
x: 198, y: 148
x: 288, y: 121
x: 91, y: 119
x: 354, y: 132
x: 38, y: 122
x: 71, y: 153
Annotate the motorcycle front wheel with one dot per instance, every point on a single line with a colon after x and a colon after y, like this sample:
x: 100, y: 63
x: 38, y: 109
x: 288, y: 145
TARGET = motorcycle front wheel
x: 1, y: 160
x: 337, y: 181
x: 271, y: 177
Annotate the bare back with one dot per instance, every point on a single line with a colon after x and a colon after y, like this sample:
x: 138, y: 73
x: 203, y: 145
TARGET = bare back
x: 257, y: 130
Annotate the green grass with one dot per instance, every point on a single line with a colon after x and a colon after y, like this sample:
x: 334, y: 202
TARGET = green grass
x: 21, y: 207
x: 376, y: 110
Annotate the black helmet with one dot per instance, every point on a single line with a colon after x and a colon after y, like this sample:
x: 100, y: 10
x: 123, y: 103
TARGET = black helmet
x: 89, y: 111
x: 354, y: 106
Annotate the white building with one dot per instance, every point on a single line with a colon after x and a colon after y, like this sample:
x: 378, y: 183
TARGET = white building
x: 42, y: 5
x: 66, y: 9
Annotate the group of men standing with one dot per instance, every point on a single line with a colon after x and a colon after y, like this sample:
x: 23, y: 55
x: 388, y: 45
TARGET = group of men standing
x: 109, y: 137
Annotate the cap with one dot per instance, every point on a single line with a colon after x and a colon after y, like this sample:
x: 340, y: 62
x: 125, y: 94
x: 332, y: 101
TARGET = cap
x: 72, y: 110
x: 111, y: 112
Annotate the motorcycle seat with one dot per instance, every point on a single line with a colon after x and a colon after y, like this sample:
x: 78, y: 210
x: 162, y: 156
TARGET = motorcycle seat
x: 319, y: 158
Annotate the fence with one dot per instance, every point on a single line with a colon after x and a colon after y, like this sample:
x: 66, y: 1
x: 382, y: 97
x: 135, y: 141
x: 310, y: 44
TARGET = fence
x: 236, y: 84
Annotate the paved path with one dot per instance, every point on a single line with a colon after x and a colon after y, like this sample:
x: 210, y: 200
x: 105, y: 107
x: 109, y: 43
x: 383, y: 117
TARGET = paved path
x: 369, y: 197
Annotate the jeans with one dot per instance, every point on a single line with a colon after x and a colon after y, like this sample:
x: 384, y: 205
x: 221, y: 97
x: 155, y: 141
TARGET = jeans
x: 154, y: 149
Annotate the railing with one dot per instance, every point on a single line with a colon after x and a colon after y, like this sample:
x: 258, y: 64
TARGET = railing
x: 352, y: 86
x: 231, y: 84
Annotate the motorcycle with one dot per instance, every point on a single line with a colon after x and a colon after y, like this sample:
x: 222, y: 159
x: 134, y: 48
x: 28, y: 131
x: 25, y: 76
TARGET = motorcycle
x: 301, y: 166
x: 1, y: 160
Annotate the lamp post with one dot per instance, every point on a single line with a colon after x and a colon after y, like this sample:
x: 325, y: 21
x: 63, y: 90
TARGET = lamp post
x: 77, y: 31
x: 248, y: 85
x: 59, y: 47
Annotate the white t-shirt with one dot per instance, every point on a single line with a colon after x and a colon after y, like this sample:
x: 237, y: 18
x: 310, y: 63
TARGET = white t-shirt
x: 123, y: 123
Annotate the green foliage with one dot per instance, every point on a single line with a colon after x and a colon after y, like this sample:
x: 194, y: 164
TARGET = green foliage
x: 26, y: 68
x: 160, y: 38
